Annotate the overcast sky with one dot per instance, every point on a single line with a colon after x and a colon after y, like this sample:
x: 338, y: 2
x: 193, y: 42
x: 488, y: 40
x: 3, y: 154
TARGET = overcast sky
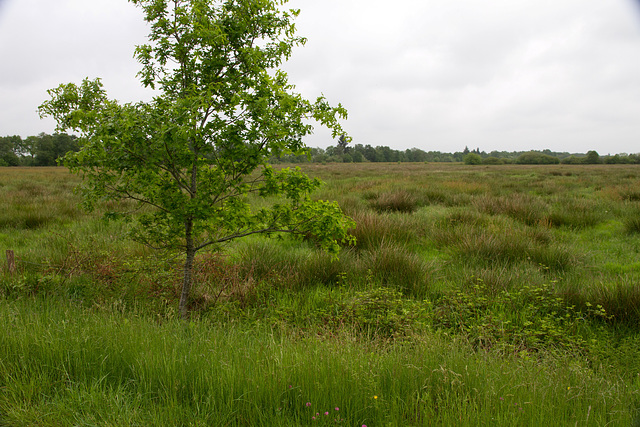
x: 439, y: 75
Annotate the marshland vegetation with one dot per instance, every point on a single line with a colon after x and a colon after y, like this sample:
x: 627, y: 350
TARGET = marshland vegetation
x: 475, y: 295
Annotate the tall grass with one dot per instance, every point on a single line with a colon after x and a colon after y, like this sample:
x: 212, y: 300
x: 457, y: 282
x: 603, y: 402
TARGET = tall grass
x: 374, y: 229
x: 505, y: 245
x: 32, y: 198
x: 631, y: 219
x: 398, y: 267
x: 399, y: 200
x: 78, y: 367
x: 522, y: 207
x: 578, y: 213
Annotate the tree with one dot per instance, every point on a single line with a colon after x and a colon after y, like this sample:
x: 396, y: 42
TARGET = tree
x: 198, y: 150
x: 593, y: 158
x: 416, y: 155
x: 28, y: 150
x: 47, y: 149
x: 9, y: 145
x: 369, y: 153
x: 385, y: 154
x: 342, y: 148
x: 357, y: 157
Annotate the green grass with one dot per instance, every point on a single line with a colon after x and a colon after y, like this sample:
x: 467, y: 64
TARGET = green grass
x: 82, y: 367
x: 31, y: 198
x: 501, y: 295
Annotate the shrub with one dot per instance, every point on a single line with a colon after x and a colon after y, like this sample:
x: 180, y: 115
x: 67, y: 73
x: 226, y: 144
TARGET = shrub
x: 380, y: 312
x: 530, y: 319
x: 573, y: 160
x: 535, y: 158
x: 472, y: 159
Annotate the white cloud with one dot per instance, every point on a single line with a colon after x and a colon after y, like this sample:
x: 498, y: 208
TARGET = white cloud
x: 434, y: 74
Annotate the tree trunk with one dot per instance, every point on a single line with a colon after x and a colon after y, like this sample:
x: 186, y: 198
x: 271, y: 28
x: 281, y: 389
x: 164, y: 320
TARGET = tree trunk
x: 190, y: 247
x: 188, y: 269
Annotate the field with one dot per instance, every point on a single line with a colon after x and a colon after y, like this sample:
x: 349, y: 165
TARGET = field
x: 475, y: 295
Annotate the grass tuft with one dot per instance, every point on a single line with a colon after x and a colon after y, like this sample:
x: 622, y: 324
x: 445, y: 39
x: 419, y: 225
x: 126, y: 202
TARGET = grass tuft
x: 503, y: 245
x: 395, y: 201
x: 374, y: 229
x: 577, y: 213
x: 522, y: 207
x: 396, y: 266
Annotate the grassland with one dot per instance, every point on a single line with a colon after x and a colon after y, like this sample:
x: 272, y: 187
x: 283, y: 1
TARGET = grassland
x: 475, y: 295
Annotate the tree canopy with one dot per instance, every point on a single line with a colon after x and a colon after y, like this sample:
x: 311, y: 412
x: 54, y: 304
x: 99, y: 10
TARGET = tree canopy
x: 199, y: 149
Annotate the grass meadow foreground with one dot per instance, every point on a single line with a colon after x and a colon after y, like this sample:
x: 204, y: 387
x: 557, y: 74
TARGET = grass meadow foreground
x: 497, y: 296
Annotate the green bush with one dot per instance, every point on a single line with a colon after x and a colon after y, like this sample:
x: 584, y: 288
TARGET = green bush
x: 381, y: 312
x: 529, y: 319
x: 573, y: 160
x: 472, y: 159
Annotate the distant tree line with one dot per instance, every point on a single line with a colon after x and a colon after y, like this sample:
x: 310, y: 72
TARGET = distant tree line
x: 342, y: 153
x: 44, y: 150
x: 547, y: 157
x: 40, y: 150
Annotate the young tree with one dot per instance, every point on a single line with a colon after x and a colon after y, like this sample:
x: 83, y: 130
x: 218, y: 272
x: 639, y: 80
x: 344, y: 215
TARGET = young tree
x: 198, y: 150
